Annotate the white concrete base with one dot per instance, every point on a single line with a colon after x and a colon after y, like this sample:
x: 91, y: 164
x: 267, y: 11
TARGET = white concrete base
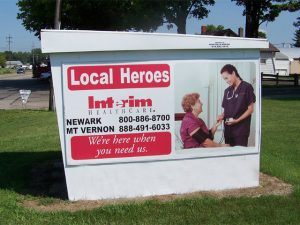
x: 162, y: 177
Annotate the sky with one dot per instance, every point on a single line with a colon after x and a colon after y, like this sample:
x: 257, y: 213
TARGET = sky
x: 224, y: 12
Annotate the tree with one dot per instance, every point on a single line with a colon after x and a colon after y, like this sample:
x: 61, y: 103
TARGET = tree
x: 8, y: 55
x: 134, y: 15
x: 297, y: 33
x: 262, y: 34
x: 210, y: 28
x: 260, y: 11
x: 128, y: 15
x: 177, y: 11
x: 2, y: 60
x: 26, y: 57
x: 92, y: 15
x: 36, y: 15
x: 37, y: 57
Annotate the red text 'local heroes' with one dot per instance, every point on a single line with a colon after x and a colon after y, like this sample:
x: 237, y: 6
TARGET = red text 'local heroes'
x: 118, y: 76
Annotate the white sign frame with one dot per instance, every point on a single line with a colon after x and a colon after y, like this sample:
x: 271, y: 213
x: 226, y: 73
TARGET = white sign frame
x: 175, y: 155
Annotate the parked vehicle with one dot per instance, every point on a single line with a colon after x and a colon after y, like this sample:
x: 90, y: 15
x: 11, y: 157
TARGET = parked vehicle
x: 20, y: 70
x: 45, y: 75
x: 39, y: 69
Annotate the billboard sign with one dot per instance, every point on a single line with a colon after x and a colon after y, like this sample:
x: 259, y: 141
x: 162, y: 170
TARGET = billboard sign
x: 129, y: 112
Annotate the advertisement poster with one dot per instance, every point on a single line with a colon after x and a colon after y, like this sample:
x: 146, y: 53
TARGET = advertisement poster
x: 130, y: 112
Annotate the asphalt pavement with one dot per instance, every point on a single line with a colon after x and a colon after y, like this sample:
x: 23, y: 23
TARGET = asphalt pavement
x: 11, y: 84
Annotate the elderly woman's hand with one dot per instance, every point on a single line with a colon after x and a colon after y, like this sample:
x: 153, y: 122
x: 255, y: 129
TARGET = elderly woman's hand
x: 215, y: 126
x: 220, y: 117
x: 218, y: 123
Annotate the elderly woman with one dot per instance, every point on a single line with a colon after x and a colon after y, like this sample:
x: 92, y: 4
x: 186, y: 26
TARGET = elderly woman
x: 194, y: 133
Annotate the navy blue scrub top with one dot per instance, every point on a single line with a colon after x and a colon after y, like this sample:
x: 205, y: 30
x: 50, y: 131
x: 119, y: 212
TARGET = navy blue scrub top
x: 235, y: 103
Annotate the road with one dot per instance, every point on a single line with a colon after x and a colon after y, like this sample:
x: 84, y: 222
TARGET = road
x: 10, y: 98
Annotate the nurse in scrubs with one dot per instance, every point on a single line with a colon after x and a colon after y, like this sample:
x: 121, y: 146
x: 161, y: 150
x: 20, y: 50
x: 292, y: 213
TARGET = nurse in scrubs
x: 238, y: 103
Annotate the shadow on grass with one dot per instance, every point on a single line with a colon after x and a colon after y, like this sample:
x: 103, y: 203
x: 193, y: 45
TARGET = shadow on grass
x: 281, y: 93
x: 282, y: 98
x: 33, y: 173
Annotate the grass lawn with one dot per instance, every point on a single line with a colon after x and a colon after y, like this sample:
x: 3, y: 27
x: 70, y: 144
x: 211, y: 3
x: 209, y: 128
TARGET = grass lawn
x: 28, y: 137
x: 6, y: 71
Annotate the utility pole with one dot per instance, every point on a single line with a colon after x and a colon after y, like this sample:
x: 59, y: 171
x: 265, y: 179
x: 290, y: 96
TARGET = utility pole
x: 33, y: 54
x: 9, y: 41
x: 57, y: 23
x: 33, y: 61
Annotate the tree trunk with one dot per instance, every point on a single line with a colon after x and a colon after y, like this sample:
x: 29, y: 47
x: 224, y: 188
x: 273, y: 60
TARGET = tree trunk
x: 181, y: 28
x: 181, y: 23
x: 252, y: 18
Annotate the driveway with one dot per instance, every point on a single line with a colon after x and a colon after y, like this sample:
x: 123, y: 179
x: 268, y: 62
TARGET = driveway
x: 10, y: 98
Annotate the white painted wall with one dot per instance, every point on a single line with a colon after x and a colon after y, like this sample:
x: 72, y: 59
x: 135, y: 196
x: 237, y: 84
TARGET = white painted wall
x: 162, y: 177
x: 282, y: 67
x: 269, y: 66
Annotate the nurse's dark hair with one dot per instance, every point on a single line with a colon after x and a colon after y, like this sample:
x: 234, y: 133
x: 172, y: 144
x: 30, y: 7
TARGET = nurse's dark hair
x: 230, y: 69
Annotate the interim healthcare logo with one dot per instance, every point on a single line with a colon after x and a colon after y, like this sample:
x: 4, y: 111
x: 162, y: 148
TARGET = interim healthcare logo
x: 109, y: 103
x: 118, y: 76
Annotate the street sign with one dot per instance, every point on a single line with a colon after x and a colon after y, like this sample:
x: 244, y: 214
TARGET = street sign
x: 24, y: 96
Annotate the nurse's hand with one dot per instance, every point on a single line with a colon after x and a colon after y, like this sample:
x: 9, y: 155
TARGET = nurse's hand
x: 231, y: 122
